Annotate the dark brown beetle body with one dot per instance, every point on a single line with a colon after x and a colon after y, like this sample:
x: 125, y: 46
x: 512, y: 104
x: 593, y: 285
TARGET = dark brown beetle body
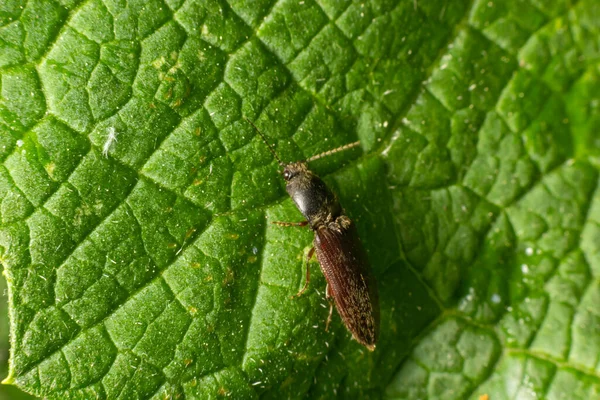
x: 339, y: 252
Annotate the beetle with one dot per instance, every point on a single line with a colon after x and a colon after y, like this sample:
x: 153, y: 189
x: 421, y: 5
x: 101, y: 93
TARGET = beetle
x: 337, y: 245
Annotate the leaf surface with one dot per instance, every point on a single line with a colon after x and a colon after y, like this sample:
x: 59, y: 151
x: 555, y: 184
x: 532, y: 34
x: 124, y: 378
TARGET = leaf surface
x: 136, y: 203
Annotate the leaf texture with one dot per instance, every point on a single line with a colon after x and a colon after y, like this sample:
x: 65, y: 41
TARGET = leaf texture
x: 135, y: 201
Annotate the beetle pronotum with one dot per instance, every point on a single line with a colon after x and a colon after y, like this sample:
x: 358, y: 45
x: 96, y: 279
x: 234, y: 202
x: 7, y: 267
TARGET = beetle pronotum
x: 343, y: 261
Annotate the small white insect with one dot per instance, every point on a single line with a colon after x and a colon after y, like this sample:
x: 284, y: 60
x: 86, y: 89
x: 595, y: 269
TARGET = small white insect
x: 111, y: 138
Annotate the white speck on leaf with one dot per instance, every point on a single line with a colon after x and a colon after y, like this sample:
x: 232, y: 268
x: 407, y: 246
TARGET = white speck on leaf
x: 111, y: 138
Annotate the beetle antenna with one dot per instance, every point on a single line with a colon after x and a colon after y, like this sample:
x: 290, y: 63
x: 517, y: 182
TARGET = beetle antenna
x: 264, y: 139
x: 333, y: 151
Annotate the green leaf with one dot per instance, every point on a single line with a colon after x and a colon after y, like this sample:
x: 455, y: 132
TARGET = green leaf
x: 6, y: 392
x: 136, y: 202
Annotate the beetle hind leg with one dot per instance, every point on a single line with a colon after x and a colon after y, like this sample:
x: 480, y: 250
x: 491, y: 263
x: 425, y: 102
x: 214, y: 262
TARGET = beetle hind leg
x: 329, y: 298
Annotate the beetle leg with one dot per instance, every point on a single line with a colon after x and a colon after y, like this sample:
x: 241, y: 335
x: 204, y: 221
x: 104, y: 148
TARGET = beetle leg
x: 302, y: 223
x: 329, y: 317
x: 310, y: 254
x: 329, y: 298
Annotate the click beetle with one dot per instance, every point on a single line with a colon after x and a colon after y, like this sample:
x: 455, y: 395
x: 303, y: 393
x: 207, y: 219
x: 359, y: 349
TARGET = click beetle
x: 339, y: 251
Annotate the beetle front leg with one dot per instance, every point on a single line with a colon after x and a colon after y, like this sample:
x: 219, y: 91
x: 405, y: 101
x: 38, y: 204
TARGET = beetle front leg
x: 310, y: 254
x: 302, y: 223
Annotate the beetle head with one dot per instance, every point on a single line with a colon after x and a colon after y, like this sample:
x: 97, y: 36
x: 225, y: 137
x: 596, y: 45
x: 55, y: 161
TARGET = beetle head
x: 293, y: 170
